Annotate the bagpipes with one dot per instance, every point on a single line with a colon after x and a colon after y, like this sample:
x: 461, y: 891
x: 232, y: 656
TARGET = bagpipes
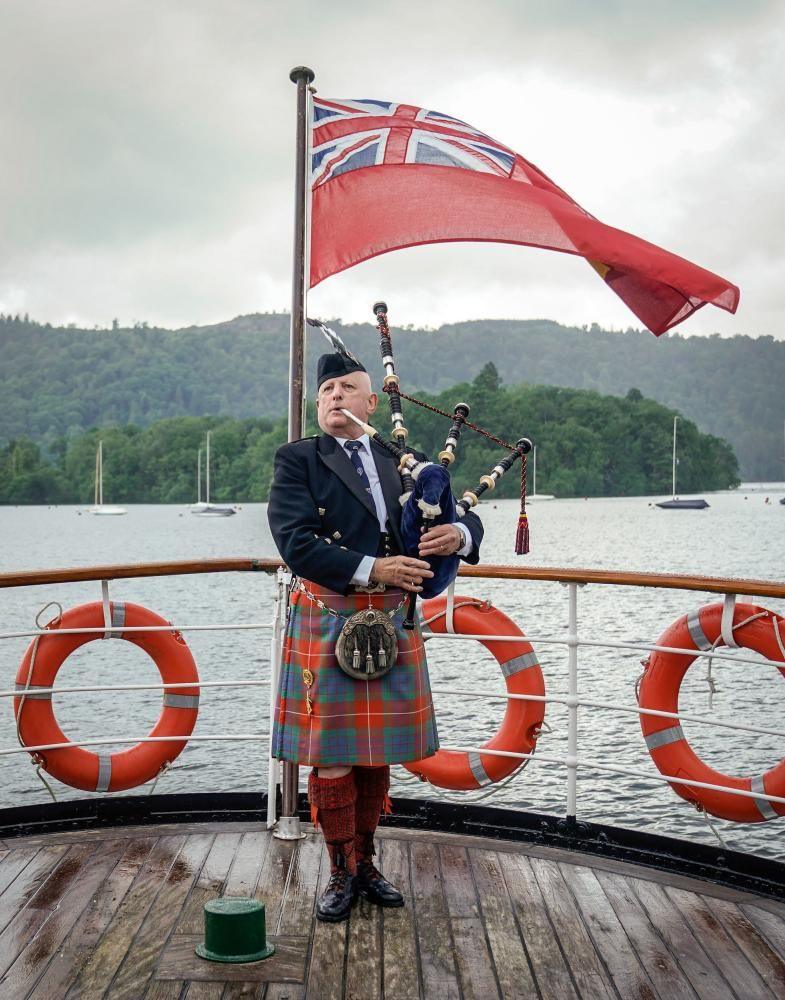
x: 427, y: 498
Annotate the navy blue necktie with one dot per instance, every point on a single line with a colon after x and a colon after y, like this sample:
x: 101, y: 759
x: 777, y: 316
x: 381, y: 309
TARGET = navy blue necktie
x: 353, y: 447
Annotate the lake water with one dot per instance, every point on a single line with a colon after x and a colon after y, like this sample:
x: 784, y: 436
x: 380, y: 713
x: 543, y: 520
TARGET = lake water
x: 736, y: 537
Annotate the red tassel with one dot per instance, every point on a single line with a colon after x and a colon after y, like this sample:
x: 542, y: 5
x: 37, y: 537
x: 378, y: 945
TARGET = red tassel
x: 387, y: 805
x: 522, y: 536
x: 315, y: 816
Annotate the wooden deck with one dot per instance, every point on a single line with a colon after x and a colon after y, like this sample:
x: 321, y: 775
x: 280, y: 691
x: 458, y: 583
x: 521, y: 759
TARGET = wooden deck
x: 116, y: 913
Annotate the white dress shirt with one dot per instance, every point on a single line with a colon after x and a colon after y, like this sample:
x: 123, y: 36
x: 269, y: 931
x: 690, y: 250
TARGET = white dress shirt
x: 363, y: 572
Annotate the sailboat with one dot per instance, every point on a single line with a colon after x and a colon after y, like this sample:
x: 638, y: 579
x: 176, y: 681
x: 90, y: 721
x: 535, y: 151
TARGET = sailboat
x: 99, y: 507
x: 675, y: 503
x: 200, y: 504
x: 205, y: 508
x: 534, y: 495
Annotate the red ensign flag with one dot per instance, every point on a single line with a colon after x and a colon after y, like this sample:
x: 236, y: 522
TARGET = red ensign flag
x: 387, y: 176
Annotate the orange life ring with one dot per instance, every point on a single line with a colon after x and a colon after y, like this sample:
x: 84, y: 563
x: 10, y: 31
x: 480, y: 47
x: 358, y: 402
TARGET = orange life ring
x: 97, y: 772
x: 522, y: 721
x: 668, y: 746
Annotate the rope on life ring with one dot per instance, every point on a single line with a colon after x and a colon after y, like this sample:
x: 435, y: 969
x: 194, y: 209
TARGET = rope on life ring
x: 35, y: 718
x: 523, y: 719
x: 753, y: 628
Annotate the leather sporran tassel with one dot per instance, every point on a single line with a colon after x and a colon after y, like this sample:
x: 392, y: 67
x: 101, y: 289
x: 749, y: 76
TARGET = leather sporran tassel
x: 356, y: 658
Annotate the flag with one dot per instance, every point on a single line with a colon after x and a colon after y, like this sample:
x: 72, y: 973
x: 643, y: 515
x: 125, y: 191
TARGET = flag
x: 386, y: 176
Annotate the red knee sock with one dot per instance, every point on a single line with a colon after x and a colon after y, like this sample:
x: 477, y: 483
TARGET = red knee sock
x: 373, y: 784
x: 332, y: 807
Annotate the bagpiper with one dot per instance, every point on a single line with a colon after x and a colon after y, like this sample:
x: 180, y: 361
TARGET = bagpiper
x: 354, y: 694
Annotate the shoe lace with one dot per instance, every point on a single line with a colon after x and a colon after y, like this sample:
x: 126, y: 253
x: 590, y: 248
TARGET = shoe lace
x: 369, y: 869
x: 338, y: 880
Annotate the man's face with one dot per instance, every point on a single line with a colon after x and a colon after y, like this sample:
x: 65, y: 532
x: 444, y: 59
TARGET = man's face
x: 349, y: 392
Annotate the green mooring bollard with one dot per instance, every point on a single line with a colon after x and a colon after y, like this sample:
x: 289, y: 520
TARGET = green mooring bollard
x: 235, y: 930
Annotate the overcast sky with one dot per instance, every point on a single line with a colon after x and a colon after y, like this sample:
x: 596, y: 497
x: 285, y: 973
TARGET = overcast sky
x: 147, y: 150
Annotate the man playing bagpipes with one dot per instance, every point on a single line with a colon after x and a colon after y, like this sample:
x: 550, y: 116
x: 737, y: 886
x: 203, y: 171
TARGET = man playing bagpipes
x: 354, y: 694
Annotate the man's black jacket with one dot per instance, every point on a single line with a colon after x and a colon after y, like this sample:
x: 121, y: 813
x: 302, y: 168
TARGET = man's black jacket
x: 324, y: 522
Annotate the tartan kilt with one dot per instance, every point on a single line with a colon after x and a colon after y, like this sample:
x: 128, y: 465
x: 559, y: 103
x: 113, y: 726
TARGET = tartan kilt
x: 385, y: 721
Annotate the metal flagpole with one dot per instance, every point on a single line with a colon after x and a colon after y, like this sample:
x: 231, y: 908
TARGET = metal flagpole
x: 288, y: 827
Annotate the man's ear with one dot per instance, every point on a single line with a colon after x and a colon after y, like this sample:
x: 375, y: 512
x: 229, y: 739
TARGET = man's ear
x: 373, y: 402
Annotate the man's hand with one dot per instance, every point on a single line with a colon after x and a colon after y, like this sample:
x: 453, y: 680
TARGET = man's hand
x: 401, y: 571
x: 443, y: 540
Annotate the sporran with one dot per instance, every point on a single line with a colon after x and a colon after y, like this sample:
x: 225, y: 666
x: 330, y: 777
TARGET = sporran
x: 367, y: 646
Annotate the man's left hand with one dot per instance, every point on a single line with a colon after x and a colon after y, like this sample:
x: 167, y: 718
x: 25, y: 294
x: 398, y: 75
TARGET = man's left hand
x: 443, y: 540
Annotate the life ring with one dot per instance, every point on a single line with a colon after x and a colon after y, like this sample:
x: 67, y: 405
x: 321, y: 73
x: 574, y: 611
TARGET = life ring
x: 37, y: 725
x: 667, y: 744
x: 522, y: 721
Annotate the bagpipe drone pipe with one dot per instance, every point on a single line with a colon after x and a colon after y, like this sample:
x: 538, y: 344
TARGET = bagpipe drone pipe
x: 427, y: 498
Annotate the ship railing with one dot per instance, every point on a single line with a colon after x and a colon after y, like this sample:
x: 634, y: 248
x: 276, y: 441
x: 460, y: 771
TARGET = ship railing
x: 572, y: 579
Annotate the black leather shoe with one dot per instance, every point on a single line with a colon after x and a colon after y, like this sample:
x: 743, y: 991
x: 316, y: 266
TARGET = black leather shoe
x: 375, y: 887
x: 336, y: 902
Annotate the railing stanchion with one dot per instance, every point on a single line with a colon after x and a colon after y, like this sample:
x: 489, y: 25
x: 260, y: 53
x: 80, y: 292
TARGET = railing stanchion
x: 572, y: 704
x: 274, y: 768
x: 287, y: 826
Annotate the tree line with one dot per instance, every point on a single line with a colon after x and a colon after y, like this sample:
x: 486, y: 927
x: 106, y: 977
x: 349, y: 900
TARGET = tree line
x: 587, y: 445
x: 62, y: 381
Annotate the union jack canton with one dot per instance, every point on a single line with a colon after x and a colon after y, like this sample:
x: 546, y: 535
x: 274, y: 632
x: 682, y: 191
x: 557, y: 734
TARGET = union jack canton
x: 349, y: 135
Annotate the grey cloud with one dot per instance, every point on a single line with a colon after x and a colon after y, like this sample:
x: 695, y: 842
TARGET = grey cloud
x: 149, y: 147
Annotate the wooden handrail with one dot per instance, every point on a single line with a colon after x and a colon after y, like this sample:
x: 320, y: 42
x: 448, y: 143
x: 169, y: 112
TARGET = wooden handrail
x: 671, y: 581
x: 29, y: 578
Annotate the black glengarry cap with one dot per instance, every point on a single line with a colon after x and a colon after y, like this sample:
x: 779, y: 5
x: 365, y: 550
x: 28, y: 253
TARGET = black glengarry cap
x: 336, y: 366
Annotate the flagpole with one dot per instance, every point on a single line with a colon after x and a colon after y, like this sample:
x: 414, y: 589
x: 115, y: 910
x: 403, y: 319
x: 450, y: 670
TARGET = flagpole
x: 288, y: 826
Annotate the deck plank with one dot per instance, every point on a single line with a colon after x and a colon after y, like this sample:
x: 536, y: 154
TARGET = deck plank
x: 274, y: 878
x: 549, y: 965
x: 164, y: 990
x: 72, y: 955
x: 754, y: 946
x: 244, y: 874
x: 204, y: 991
x: 698, y: 967
x: 771, y: 926
x: 97, y: 973
x: 296, y: 913
x: 138, y: 965
x: 432, y: 924
x: 285, y: 991
x: 730, y: 960
x: 587, y: 971
x: 664, y: 971
x: 72, y: 898
x: 209, y: 883
x: 607, y: 933
x: 13, y: 863
x: 27, y: 882
x: 19, y: 932
x: 364, y: 953
x: 593, y: 861
x: 472, y: 953
x: 328, y: 950
x: 244, y: 991
x: 507, y: 949
x: 180, y: 961
x: 400, y: 971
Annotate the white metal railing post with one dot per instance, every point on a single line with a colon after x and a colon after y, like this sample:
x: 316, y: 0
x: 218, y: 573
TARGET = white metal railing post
x: 286, y: 826
x: 572, y: 703
x: 273, y: 774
